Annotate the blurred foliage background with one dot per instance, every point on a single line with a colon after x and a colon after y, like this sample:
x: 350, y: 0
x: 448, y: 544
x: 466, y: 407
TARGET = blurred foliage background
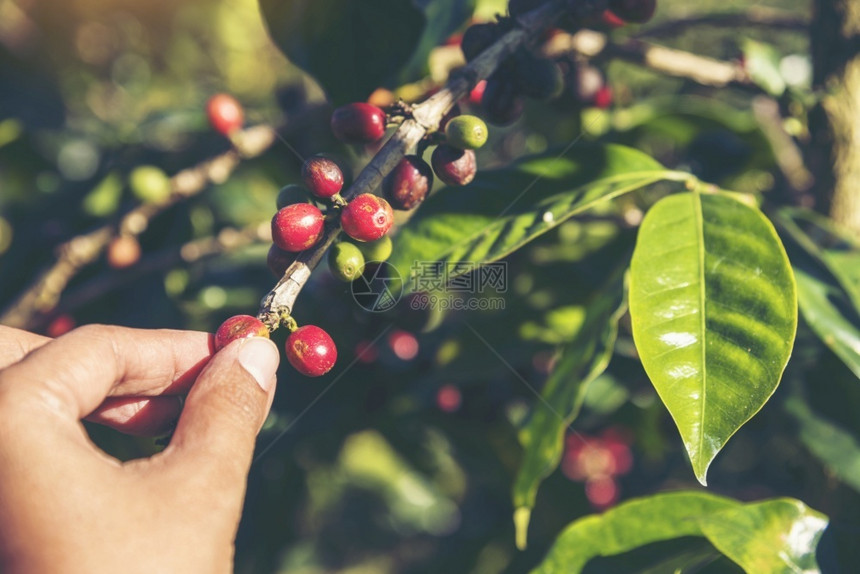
x: 405, y: 465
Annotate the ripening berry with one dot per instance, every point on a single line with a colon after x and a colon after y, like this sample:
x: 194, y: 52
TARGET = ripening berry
x: 377, y: 251
x: 322, y: 177
x: 311, y: 351
x: 500, y: 102
x: 636, y: 11
x: 225, y: 114
x: 239, y: 327
x: 124, y: 251
x: 297, y: 227
x: 454, y: 166
x: 408, y: 183
x: 477, y: 93
x: 603, y: 97
x: 61, y: 325
x: 346, y: 261
x: 608, y: 18
x: 466, y: 132
x: 448, y: 398
x: 367, y: 217
x: 358, y: 123
x: 149, y: 184
x: 278, y: 260
x: 292, y: 193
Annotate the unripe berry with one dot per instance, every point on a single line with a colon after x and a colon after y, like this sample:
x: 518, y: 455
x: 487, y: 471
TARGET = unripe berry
x: 292, y: 193
x: 124, y: 251
x: 636, y: 11
x: 367, y: 217
x: 500, y: 103
x: 358, y: 123
x: 149, y: 184
x: 408, y: 183
x: 311, y: 351
x: 297, y: 227
x: 377, y: 251
x: 466, y: 132
x: 346, y: 261
x: 278, y: 260
x: 454, y: 166
x: 225, y: 114
x: 239, y: 327
x: 322, y: 177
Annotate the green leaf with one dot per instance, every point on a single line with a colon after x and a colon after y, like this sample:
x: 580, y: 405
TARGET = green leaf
x: 825, y: 299
x: 714, y: 314
x: 504, y: 209
x: 582, y: 360
x: 838, y: 449
x: 763, y: 537
x: 762, y: 64
x: 351, y: 48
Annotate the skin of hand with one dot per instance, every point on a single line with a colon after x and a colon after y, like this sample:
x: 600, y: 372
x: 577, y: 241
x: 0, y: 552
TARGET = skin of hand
x: 66, y: 506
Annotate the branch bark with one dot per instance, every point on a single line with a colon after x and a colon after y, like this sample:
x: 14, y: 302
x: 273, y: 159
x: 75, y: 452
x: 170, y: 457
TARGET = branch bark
x: 754, y: 17
x: 426, y: 116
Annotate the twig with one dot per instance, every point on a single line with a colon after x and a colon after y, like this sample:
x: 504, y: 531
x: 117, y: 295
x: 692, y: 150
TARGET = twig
x: 754, y: 17
x: 700, y: 69
x: 787, y: 154
x: 425, y: 119
x: 43, y: 294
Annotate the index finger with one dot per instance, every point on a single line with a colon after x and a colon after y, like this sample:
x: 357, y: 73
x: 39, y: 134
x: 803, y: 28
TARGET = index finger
x: 74, y: 373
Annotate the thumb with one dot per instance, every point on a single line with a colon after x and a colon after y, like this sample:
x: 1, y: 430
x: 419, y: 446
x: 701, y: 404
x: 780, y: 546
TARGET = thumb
x: 224, y: 411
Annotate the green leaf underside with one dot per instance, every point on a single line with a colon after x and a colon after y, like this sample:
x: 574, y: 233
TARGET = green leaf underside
x: 824, y: 295
x: 768, y: 537
x: 714, y: 314
x: 504, y: 209
x: 351, y: 48
x: 582, y: 360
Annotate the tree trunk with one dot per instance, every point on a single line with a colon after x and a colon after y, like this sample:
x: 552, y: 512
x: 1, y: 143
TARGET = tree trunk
x: 835, y: 127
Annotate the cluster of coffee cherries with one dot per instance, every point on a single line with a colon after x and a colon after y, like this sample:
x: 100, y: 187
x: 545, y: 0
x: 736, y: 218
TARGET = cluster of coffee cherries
x: 366, y: 219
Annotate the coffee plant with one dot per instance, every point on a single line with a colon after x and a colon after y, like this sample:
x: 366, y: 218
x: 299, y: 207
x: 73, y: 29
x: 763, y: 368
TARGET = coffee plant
x: 566, y: 268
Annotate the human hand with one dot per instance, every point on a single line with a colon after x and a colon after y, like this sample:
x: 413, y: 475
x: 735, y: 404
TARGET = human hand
x: 65, y: 506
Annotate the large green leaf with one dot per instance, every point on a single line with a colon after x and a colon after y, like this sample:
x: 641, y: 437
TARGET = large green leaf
x: 763, y: 537
x: 714, y: 314
x: 504, y: 209
x: 825, y: 298
x: 352, y: 48
x: 582, y: 360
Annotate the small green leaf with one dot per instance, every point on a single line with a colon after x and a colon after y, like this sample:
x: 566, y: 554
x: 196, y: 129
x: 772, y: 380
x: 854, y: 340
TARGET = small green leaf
x: 104, y: 198
x: 714, y: 313
x: 824, y: 296
x: 504, y: 209
x: 765, y: 537
x: 762, y: 64
x: 351, y: 48
x: 582, y: 360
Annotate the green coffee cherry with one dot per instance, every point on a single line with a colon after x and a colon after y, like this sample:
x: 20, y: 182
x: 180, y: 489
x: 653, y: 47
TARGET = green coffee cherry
x: 379, y: 250
x: 466, y: 132
x: 345, y: 261
x: 149, y: 184
x: 291, y: 194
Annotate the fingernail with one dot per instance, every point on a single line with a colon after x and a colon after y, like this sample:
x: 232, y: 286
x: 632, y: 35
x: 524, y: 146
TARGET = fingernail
x: 260, y: 357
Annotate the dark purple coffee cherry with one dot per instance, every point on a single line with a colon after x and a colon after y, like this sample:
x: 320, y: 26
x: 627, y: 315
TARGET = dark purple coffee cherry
x: 322, y: 177
x: 636, y: 11
x: 358, y: 123
x: 408, y: 183
x: 278, y: 260
x: 501, y: 104
x: 454, y: 166
x: 479, y: 37
x: 536, y: 78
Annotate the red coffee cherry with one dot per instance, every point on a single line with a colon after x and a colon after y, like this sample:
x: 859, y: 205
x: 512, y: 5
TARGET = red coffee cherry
x: 500, y: 102
x: 454, y: 166
x: 239, y: 327
x: 297, y: 227
x: 358, y: 123
x: 311, y: 351
x: 636, y: 11
x: 408, y: 183
x: 367, y: 217
x: 603, y: 98
x: 278, y: 260
x: 322, y: 177
x: 225, y: 114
